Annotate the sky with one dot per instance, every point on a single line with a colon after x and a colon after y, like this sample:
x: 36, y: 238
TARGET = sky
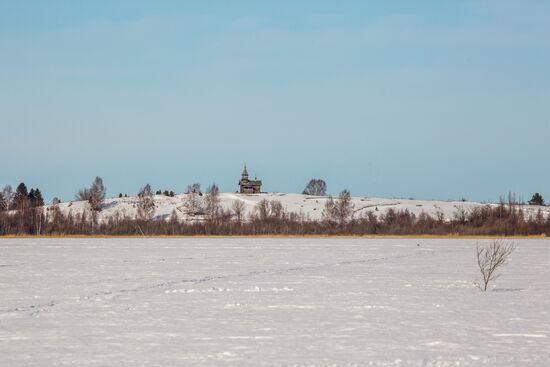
x: 423, y: 99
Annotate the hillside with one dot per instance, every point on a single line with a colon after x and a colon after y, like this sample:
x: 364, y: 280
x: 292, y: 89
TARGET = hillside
x: 310, y: 206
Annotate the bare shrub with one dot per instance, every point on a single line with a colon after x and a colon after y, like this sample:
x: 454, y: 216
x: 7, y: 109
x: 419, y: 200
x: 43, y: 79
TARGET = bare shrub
x: 490, y: 258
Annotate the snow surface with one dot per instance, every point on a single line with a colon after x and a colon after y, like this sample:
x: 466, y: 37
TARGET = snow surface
x: 269, y: 302
x: 310, y: 206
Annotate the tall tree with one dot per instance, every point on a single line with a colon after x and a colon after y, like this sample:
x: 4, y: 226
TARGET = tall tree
x: 21, y: 197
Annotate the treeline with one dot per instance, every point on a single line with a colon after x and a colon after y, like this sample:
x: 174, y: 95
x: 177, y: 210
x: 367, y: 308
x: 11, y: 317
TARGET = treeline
x: 22, y: 212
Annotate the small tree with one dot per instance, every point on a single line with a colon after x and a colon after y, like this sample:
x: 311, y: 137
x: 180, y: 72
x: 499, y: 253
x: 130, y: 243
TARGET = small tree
x: 316, y: 187
x: 146, y: 204
x: 490, y: 259
x: 536, y: 199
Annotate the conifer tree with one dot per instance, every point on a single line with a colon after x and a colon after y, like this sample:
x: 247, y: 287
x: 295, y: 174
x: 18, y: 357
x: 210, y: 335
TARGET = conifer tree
x: 536, y: 199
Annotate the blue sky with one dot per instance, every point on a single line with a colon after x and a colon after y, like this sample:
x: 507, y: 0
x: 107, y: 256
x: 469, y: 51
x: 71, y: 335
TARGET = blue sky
x: 424, y: 99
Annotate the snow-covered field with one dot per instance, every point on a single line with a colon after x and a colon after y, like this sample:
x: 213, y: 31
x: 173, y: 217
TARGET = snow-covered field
x: 269, y: 302
x: 310, y: 206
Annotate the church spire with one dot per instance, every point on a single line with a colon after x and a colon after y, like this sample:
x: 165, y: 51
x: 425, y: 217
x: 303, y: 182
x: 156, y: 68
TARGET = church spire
x: 245, y: 172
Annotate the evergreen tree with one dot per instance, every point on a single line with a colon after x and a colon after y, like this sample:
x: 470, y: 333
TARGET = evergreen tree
x: 38, y: 197
x: 536, y: 199
x: 35, y: 198
x: 21, y: 197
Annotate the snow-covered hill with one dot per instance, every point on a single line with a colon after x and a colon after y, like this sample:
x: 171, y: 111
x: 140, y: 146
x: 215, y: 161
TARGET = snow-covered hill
x: 310, y: 206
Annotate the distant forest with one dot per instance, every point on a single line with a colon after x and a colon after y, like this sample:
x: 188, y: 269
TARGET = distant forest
x: 22, y: 212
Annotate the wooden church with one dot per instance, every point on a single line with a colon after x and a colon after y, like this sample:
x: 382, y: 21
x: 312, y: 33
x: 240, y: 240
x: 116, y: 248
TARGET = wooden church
x: 249, y: 186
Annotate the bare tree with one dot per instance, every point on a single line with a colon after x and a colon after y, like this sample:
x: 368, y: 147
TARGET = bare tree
x: 316, y: 187
x: 193, y: 203
x: 269, y: 209
x: 212, y: 201
x: 490, y: 258
x: 276, y: 209
x: 238, y: 207
x: 8, y: 195
x: 3, y: 204
x: 330, y: 211
x: 340, y: 210
x: 97, y: 194
x: 344, y: 206
x: 146, y: 204
x: 173, y: 221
